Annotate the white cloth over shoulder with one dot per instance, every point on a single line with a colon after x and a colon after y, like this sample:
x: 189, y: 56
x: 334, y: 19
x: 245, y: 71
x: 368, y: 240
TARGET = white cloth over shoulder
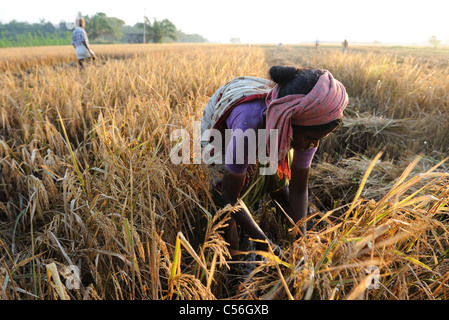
x: 227, y: 96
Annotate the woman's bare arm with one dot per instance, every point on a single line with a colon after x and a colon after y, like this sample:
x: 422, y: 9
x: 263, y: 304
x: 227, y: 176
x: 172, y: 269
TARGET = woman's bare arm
x: 231, y: 188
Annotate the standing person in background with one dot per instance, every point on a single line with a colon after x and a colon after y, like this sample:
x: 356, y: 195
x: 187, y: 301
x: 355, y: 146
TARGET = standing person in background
x: 81, y: 43
x: 345, y: 46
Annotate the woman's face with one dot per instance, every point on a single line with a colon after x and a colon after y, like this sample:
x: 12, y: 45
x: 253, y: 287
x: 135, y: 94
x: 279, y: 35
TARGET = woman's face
x: 307, y: 137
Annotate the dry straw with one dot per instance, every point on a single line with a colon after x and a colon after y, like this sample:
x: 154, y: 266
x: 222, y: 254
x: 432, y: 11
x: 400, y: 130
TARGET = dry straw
x: 86, y: 180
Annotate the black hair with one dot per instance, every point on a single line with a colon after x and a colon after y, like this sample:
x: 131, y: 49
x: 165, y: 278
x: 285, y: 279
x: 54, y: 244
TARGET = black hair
x: 292, y: 80
x: 327, y: 127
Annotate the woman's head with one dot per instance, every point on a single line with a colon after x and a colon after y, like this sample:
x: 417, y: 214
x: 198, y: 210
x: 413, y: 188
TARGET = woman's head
x: 295, y: 81
x: 305, y: 105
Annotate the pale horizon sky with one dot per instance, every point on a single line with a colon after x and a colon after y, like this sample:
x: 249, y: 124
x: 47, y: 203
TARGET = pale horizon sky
x: 263, y: 21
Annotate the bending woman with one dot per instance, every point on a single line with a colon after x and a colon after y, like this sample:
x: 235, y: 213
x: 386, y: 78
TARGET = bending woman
x: 304, y: 106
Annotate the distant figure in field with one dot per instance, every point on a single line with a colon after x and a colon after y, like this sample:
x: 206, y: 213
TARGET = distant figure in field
x: 345, y: 46
x: 81, y: 43
x: 317, y: 44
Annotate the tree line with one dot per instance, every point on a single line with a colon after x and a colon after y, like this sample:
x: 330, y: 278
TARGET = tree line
x: 100, y: 29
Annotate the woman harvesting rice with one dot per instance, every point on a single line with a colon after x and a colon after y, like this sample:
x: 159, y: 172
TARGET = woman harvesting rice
x: 304, y: 106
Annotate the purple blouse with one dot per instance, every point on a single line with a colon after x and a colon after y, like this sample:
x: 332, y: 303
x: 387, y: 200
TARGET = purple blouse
x: 250, y: 116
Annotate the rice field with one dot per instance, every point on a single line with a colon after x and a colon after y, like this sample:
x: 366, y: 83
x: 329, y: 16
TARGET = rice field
x: 92, y: 208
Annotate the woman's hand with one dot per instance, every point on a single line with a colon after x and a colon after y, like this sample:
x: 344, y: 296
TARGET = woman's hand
x: 298, y: 195
x: 294, y: 197
x: 231, y: 188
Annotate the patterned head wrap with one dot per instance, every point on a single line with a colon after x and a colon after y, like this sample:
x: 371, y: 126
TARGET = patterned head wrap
x: 323, y: 104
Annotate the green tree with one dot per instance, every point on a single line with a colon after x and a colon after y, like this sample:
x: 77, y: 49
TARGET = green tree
x: 20, y: 34
x: 101, y: 26
x: 186, y: 37
x: 116, y: 25
x: 159, y: 30
x: 434, y: 41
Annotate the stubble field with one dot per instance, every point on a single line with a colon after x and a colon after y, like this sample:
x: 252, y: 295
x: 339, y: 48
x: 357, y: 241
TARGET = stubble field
x: 86, y: 181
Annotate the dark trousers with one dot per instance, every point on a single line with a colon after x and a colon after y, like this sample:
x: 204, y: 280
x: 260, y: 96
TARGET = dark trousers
x: 81, y: 62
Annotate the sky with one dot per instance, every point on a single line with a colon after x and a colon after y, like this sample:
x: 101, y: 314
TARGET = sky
x: 262, y: 21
